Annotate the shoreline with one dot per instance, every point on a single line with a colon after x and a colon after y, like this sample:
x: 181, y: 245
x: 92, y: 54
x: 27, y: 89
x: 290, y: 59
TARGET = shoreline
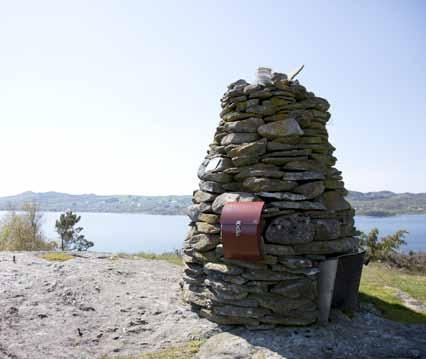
x: 390, y: 215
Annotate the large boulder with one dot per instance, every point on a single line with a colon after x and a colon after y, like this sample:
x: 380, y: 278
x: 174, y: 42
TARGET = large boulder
x: 288, y: 127
x: 293, y: 229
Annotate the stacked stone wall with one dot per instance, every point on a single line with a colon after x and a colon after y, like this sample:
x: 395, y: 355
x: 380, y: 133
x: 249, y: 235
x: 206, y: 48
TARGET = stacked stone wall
x: 270, y: 145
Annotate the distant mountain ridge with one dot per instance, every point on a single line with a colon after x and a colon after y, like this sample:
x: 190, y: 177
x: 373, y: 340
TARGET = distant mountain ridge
x: 380, y: 203
x: 56, y: 202
x: 386, y: 203
x: 363, y: 196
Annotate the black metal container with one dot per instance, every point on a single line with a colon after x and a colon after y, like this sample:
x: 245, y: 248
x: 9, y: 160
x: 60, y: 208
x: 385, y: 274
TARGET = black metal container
x: 346, y: 285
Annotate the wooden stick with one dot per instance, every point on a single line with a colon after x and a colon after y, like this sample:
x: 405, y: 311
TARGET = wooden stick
x: 295, y: 73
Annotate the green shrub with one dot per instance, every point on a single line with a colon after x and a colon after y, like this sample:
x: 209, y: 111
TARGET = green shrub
x: 386, y: 249
x: 22, y: 231
x: 381, y: 249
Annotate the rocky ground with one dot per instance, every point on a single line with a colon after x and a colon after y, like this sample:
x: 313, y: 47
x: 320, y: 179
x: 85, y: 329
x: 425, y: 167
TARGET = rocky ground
x: 98, y: 305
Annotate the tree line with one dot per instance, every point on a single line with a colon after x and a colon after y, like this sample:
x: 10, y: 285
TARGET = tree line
x: 22, y: 231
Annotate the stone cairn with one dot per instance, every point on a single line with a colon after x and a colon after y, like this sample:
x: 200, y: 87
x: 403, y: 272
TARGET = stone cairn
x: 271, y: 145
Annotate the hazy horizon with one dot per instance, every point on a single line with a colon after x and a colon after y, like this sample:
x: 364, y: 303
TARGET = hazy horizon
x: 123, y: 97
x: 160, y: 195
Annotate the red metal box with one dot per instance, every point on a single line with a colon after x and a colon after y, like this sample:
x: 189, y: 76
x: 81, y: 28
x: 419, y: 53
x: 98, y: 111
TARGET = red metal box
x: 241, y: 230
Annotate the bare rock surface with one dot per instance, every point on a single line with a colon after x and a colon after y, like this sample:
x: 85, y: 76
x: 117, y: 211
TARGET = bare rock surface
x: 96, y: 305
x: 364, y: 336
x: 92, y: 306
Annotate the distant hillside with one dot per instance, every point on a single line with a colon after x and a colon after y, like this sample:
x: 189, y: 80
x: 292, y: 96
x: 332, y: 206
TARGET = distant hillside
x: 382, y: 203
x: 55, y: 201
x: 385, y: 203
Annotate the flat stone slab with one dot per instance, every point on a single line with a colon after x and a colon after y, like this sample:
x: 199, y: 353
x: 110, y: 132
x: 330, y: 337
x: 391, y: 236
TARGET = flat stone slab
x: 302, y: 205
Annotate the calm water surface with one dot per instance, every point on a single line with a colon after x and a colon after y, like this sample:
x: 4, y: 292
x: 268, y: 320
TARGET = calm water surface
x: 123, y: 232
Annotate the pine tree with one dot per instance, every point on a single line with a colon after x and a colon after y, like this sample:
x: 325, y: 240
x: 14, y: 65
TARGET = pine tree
x: 71, y: 237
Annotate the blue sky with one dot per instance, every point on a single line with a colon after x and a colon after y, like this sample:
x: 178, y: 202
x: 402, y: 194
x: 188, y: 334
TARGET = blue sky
x: 122, y: 97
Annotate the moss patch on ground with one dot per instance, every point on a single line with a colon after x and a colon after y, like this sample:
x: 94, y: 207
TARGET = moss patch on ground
x: 380, y: 285
x: 186, y: 351
x: 57, y: 256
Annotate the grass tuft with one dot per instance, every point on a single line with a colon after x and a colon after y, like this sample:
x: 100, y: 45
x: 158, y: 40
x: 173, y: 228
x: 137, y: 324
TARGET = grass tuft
x: 186, y: 351
x: 56, y: 256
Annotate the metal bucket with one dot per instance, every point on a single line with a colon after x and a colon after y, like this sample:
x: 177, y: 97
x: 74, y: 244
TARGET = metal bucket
x: 327, y: 275
x: 348, y: 277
